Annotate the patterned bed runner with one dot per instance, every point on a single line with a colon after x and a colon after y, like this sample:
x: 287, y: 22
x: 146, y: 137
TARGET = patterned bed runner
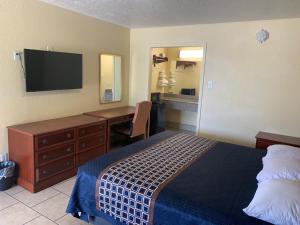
x: 127, y: 189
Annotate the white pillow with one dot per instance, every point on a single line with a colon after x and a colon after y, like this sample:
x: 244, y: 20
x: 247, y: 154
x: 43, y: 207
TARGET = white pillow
x: 277, y: 202
x: 279, y: 168
x: 283, y: 151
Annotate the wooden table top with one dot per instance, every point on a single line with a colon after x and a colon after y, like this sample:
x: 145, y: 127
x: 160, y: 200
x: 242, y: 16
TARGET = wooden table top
x: 278, y: 138
x: 113, y: 113
x: 46, y: 126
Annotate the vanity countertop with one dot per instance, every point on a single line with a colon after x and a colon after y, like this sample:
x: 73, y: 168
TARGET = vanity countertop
x: 180, y: 102
x: 180, y: 98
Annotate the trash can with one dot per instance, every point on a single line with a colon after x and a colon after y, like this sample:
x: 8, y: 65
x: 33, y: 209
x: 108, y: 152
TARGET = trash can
x: 6, y: 174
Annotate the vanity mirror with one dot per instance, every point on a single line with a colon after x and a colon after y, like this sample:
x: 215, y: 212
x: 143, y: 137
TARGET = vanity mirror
x: 110, y: 78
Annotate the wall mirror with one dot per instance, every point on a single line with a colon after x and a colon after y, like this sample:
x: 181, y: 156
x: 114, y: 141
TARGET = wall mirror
x: 110, y: 78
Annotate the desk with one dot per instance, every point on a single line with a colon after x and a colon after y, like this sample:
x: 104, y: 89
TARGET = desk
x: 114, y: 116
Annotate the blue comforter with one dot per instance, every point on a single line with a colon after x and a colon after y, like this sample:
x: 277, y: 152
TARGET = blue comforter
x: 212, y: 191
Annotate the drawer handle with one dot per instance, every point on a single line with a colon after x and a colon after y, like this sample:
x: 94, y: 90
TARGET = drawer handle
x: 44, y: 141
x: 44, y: 156
x: 69, y: 149
x: 44, y: 172
x: 69, y: 135
x: 68, y: 163
x: 83, y: 145
x: 83, y: 132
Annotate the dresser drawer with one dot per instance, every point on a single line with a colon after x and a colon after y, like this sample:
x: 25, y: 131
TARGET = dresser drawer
x: 87, y: 143
x: 55, y: 138
x: 89, y: 155
x: 54, y: 168
x: 54, y: 153
x: 85, y: 131
x: 121, y: 119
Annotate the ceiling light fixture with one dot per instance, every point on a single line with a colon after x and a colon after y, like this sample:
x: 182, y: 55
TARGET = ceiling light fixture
x: 191, y: 54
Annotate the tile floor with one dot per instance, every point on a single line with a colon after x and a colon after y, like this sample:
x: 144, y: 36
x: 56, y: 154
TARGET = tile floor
x: 19, y: 206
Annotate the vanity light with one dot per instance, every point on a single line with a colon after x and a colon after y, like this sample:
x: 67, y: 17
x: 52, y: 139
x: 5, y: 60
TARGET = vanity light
x: 191, y: 54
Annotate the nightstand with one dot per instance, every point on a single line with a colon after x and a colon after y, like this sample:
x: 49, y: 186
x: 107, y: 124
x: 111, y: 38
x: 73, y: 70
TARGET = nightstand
x: 264, y: 139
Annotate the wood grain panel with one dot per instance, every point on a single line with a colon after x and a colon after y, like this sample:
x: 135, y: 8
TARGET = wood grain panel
x: 55, y: 168
x: 55, y: 138
x: 90, y: 142
x: 83, y: 157
x: 47, y: 156
x: 85, y: 131
x: 265, y: 139
x: 46, y: 151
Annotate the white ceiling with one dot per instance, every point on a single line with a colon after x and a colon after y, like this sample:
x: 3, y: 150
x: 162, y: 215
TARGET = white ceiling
x: 152, y: 13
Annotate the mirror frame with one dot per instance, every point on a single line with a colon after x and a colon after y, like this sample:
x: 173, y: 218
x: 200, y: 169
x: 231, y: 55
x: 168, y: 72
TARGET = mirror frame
x: 100, y: 71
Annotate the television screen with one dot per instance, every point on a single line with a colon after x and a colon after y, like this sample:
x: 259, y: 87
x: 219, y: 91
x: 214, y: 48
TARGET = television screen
x: 47, y: 70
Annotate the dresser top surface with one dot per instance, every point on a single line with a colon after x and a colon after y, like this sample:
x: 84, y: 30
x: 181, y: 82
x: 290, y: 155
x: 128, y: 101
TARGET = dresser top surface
x: 113, y: 113
x: 278, y: 138
x: 51, y: 125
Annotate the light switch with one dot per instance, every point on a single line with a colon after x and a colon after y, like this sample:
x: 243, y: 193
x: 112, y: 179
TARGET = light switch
x: 210, y: 84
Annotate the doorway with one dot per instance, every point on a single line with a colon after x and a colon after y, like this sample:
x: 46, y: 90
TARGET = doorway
x: 176, y: 75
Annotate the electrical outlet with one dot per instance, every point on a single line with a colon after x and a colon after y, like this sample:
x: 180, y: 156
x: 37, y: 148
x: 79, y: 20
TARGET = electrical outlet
x: 16, y: 55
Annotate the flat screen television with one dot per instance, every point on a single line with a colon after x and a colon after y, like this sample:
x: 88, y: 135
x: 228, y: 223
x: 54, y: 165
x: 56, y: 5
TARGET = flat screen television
x: 48, y: 70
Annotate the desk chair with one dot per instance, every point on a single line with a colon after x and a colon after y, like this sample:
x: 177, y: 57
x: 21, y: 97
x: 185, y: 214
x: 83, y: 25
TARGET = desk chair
x: 140, y: 123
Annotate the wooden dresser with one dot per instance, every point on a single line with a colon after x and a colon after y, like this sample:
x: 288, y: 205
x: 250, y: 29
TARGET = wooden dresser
x: 264, y: 140
x: 48, y: 152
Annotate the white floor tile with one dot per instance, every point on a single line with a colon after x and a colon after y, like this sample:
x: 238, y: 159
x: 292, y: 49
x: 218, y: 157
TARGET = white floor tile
x: 14, y: 190
x: 70, y: 220
x: 41, y: 221
x: 32, y: 199
x: 53, y: 208
x: 6, y: 200
x: 66, y: 186
x: 17, y: 214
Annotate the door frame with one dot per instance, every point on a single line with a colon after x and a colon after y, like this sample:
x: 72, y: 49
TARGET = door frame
x: 202, y: 72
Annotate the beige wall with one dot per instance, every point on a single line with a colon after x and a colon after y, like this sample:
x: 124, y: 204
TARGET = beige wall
x: 256, y: 86
x: 33, y: 24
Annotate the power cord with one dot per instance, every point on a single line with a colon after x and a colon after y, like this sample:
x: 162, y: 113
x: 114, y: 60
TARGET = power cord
x: 19, y: 54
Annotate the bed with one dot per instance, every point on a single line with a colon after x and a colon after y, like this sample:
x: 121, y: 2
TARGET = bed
x: 212, y: 189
